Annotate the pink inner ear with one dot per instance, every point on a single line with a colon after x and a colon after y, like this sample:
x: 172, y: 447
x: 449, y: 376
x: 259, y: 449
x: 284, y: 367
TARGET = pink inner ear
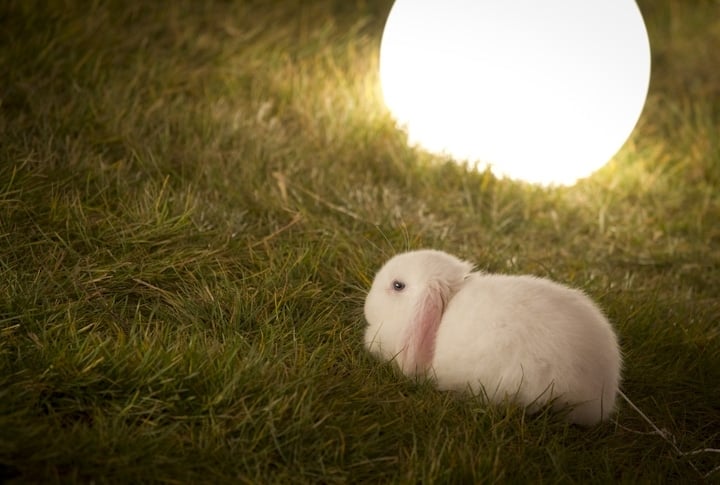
x: 420, y: 340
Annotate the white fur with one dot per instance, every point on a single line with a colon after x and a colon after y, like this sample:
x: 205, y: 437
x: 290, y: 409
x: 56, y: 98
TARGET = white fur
x: 522, y: 338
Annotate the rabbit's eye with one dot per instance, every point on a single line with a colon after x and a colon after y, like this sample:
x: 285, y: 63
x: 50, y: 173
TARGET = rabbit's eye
x: 398, y: 285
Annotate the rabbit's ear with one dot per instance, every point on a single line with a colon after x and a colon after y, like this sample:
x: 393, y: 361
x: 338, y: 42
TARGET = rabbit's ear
x: 419, y: 341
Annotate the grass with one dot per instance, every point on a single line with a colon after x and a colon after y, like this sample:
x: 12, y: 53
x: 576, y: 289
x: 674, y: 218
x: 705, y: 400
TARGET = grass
x: 194, y: 197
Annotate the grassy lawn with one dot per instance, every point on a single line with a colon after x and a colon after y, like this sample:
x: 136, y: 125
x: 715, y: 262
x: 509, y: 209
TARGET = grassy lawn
x: 194, y: 198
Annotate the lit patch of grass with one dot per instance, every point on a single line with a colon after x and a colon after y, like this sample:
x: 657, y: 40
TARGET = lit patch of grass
x: 194, y: 198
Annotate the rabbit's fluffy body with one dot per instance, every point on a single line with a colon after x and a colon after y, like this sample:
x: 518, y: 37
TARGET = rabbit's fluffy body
x: 521, y: 338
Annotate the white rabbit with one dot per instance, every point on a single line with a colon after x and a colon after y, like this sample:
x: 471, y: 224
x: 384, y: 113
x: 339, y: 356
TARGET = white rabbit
x: 521, y: 338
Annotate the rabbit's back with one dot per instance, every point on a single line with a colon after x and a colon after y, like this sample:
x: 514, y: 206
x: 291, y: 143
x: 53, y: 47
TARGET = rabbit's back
x: 529, y: 339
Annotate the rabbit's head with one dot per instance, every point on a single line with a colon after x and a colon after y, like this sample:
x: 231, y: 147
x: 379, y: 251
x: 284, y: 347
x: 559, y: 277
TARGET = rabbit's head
x: 405, y: 305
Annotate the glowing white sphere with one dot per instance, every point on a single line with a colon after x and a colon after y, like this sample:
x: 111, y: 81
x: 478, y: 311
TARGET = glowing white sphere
x: 545, y: 91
